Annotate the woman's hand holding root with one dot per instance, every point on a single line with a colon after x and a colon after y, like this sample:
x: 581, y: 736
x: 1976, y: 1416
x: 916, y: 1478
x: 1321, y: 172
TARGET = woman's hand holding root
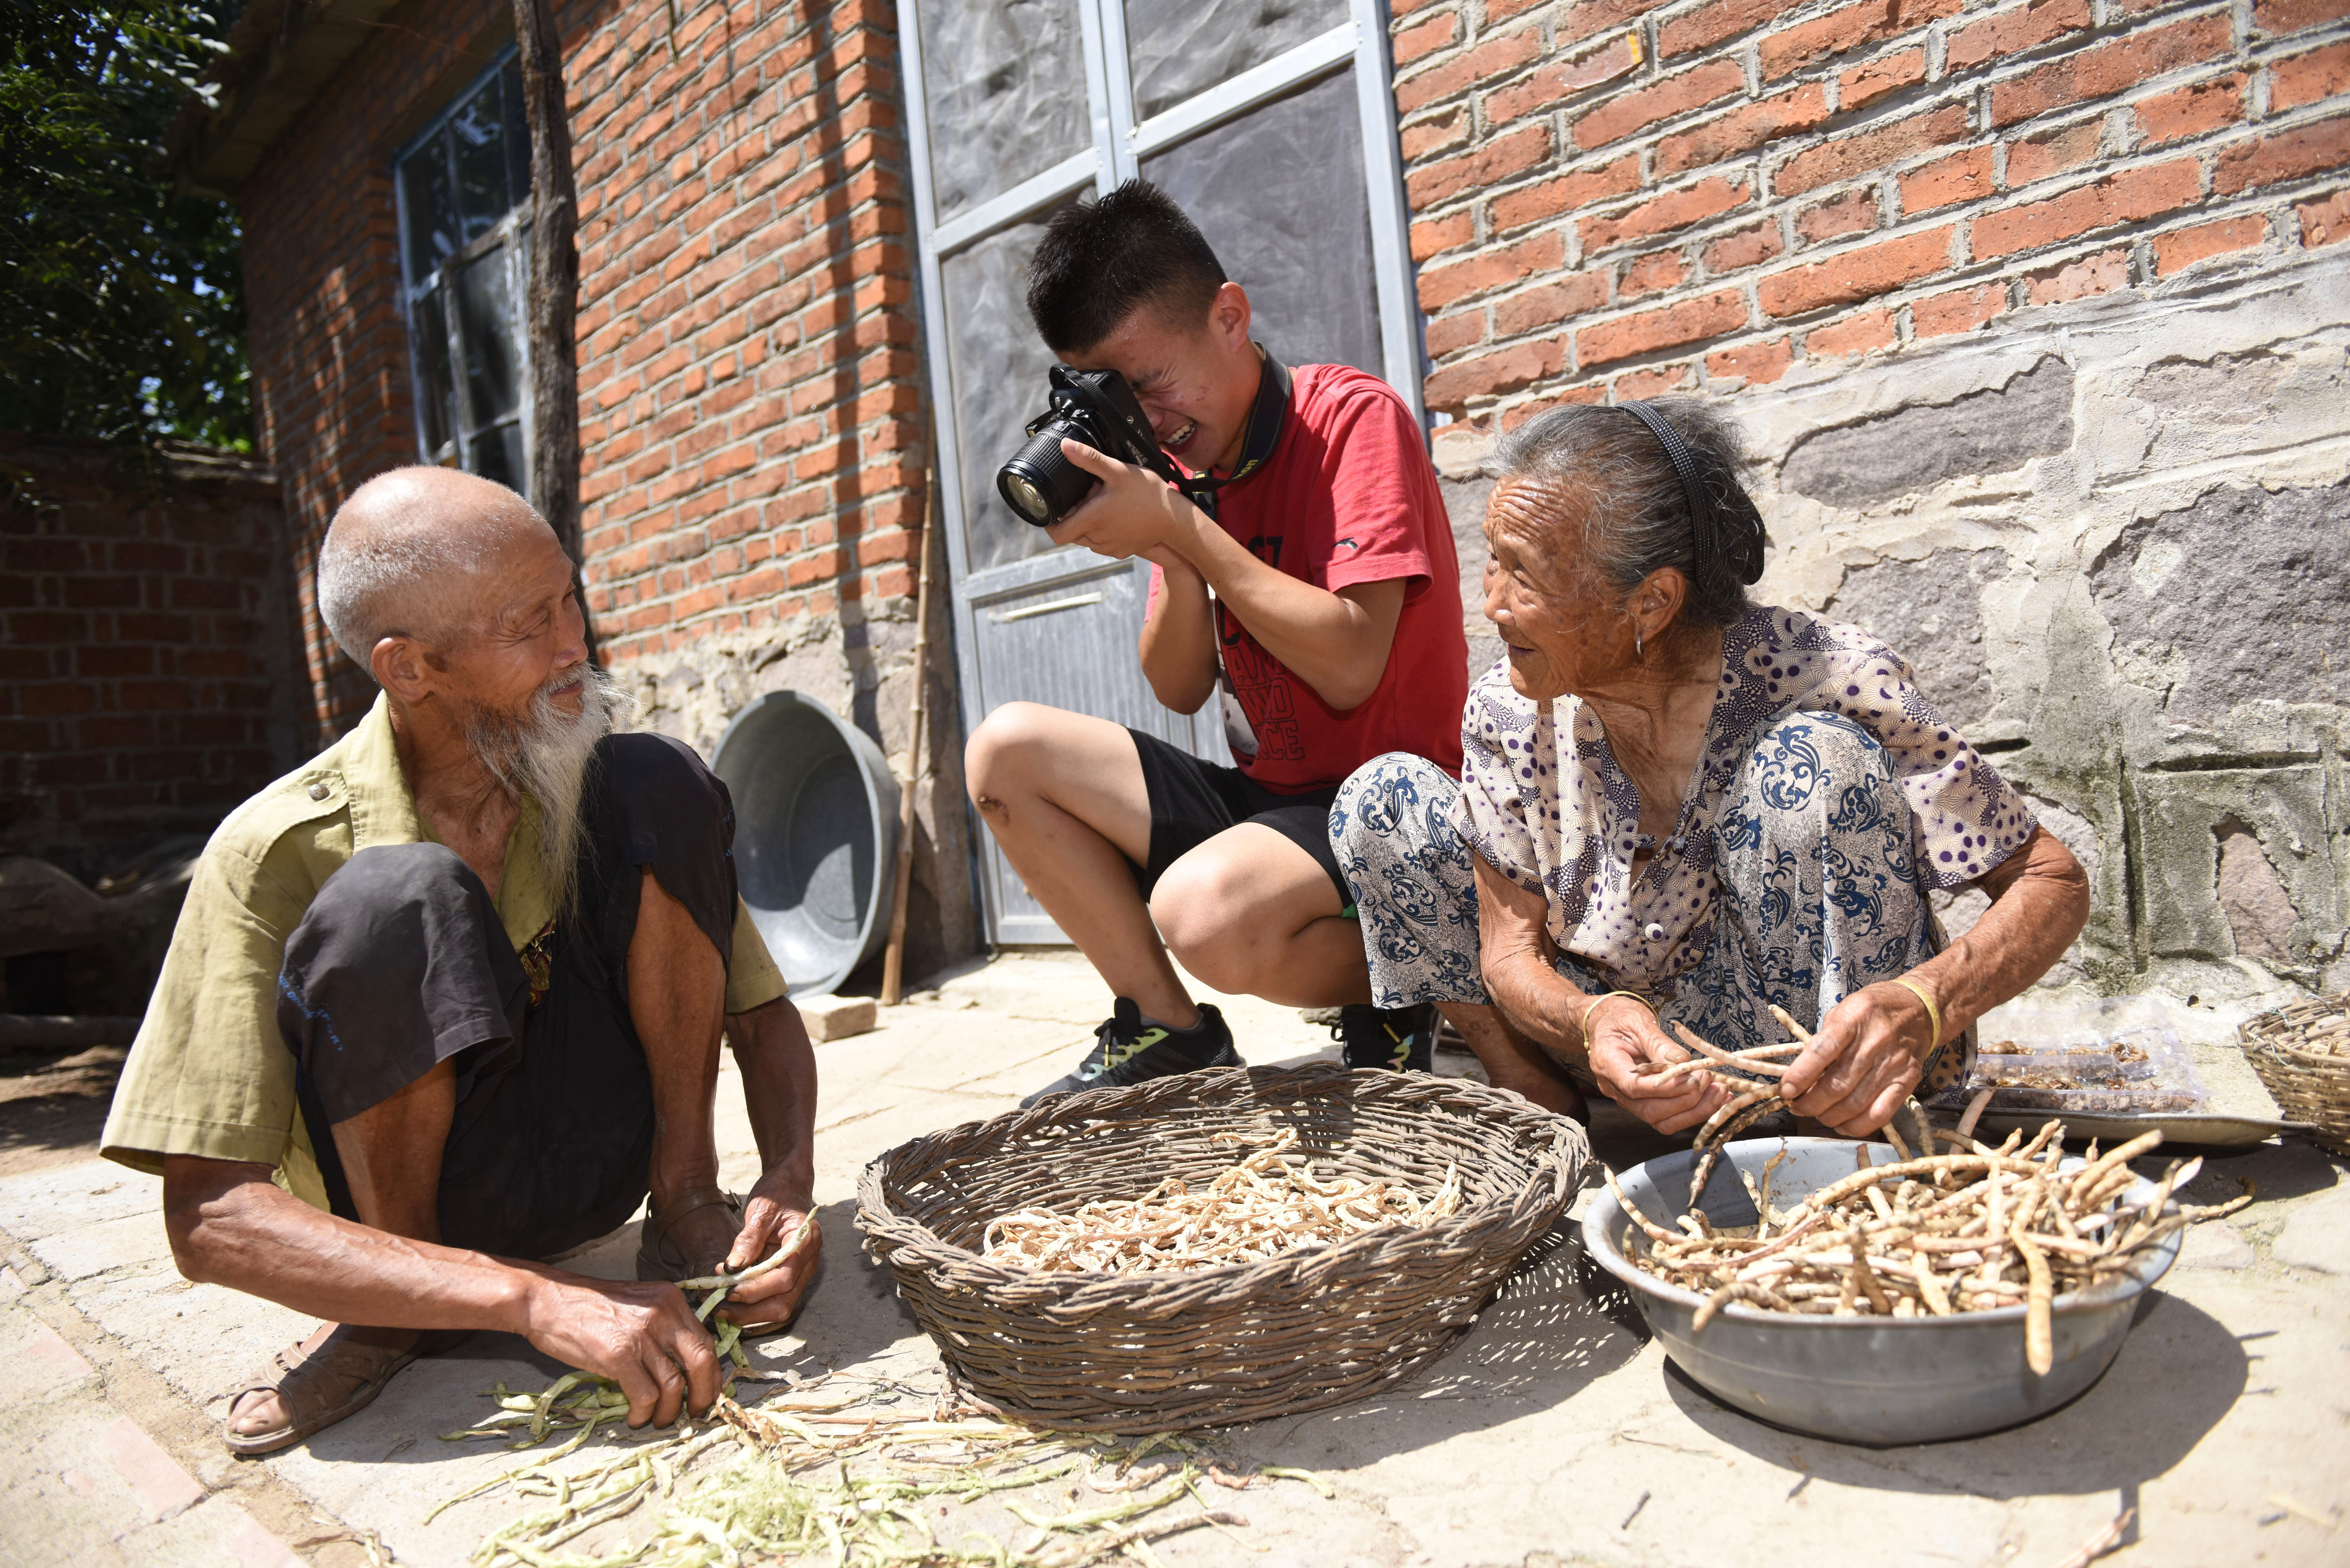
x: 1864, y: 1062
x: 1630, y: 1053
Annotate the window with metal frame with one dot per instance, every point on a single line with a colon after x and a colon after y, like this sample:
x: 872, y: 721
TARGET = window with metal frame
x: 463, y: 192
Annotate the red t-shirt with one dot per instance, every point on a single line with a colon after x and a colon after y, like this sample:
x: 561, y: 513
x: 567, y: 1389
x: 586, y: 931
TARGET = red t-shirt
x: 1349, y: 496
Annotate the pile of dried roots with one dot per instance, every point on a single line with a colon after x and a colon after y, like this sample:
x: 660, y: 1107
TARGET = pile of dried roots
x: 1267, y: 1204
x: 1972, y: 1230
x: 848, y: 1470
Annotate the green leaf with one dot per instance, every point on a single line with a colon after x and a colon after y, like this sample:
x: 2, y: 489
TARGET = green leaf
x: 125, y: 316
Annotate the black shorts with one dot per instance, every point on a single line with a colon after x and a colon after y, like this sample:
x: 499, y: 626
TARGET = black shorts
x: 401, y: 962
x: 1193, y: 800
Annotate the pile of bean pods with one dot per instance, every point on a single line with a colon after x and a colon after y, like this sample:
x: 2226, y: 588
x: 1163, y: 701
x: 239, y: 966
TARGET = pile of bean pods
x: 1972, y: 1230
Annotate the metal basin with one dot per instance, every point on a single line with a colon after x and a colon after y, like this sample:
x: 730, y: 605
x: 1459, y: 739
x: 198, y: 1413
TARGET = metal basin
x: 815, y: 835
x: 1868, y: 1380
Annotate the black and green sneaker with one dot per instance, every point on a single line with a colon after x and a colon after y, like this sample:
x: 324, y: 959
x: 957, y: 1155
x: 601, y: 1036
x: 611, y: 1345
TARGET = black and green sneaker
x: 1131, y: 1049
x: 1399, y: 1039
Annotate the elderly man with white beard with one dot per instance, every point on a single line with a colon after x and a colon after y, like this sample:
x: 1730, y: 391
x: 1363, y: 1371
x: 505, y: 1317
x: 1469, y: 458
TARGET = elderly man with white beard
x: 445, y: 1003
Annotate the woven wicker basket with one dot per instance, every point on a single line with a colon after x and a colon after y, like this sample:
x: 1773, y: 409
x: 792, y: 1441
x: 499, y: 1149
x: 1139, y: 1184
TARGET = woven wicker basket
x: 2302, y: 1054
x: 1161, y: 1351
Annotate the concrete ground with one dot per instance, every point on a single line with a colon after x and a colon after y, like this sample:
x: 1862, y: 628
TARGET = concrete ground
x: 1554, y: 1433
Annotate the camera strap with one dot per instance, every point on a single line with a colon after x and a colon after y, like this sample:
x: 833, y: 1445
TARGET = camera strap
x: 1267, y: 416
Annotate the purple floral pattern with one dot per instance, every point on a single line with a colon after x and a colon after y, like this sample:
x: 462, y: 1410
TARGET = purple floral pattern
x: 1544, y: 802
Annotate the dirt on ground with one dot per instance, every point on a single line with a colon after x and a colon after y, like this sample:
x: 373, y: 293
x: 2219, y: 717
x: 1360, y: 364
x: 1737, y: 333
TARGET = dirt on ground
x: 53, y: 1104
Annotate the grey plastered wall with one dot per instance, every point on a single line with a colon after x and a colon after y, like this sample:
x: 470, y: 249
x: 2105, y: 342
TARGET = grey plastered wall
x: 2113, y: 537
x: 862, y: 668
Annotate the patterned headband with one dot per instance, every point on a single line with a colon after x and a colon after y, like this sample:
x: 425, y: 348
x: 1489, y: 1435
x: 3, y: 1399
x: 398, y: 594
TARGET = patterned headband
x: 1732, y: 542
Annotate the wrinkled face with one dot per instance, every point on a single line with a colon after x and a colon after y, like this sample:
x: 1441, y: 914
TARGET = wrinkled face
x: 1562, y: 633
x: 524, y: 633
x: 1197, y: 383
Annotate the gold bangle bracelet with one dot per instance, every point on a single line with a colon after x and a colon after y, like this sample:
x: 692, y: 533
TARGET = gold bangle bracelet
x: 1933, y: 1013
x: 1609, y: 996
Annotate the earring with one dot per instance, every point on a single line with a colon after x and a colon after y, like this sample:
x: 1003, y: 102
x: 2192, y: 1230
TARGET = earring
x: 1638, y: 649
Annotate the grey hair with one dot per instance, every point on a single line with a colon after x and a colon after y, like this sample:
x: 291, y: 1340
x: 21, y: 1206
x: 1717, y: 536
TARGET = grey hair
x: 1635, y: 517
x: 387, y: 570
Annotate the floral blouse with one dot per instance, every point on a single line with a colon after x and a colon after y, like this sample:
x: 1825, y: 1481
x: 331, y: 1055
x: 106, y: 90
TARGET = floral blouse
x: 1544, y: 801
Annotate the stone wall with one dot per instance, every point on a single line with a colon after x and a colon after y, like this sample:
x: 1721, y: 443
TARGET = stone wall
x: 2113, y: 539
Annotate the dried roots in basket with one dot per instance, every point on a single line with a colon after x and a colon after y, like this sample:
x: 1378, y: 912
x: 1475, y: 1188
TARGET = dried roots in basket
x: 1969, y: 1232
x: 1267, y: 1204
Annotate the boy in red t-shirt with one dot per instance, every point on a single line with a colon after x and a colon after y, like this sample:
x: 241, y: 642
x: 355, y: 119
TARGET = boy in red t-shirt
x: 1323, y: 592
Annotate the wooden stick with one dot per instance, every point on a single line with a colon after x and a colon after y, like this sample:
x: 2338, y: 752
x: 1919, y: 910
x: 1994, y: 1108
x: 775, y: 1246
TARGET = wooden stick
x: 1712, y: 1052
x: 893, y: 962
x: 1974, y: 1112
x: 2104, y: 1543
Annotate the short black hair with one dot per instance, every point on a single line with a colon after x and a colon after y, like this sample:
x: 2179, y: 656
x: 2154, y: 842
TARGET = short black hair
x: 1101, y: 260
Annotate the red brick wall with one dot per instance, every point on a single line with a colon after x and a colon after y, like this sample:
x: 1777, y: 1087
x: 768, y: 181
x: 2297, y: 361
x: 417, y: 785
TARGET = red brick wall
x: 1619, y: 198
x: 751, y: 401
x: 322, y: 291
x: 748, y: 378
x: 141, y: 645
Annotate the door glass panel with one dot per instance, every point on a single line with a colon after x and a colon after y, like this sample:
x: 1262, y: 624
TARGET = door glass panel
x: 999, y: 365
x: 1178, y: 50
x: 428, y: 207
x: 487, y: 319
x: 517, y: 134
x: 436, y: 414
x: 498, y: 454
x: 1003, y: 88
x: 477, y: 135
x: 1279, y: 194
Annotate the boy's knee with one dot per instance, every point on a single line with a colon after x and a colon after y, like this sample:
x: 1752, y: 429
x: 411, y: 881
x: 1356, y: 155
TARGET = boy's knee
x: 997, y: 754
x: 1194, y: 905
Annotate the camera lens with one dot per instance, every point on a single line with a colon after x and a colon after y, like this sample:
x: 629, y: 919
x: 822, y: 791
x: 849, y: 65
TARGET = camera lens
x: 1025, y: 499
x: 1039, y: 482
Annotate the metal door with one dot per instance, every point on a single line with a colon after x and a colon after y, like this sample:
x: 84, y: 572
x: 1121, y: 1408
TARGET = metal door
x: 1272, y: 122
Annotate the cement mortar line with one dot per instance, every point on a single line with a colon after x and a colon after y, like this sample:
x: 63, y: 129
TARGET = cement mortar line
x: 182, y: 1429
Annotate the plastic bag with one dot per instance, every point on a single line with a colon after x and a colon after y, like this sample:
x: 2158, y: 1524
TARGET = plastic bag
x: 2116, y: 1056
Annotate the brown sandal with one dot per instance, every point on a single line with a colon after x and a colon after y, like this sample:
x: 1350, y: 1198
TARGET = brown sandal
x: 659, y: 1258
x: 317, y: 1388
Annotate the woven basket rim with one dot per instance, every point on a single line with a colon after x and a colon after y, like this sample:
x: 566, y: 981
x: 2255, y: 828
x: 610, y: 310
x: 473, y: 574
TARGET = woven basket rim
x: 2338, y: 1004
x: 1478, y: 1215
x: 2270, y: 1033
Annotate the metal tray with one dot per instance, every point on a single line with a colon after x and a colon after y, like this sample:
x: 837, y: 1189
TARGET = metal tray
x: 2202, y: 1129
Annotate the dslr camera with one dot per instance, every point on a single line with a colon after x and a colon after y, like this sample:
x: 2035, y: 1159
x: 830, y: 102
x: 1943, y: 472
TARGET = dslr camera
x: 1097, y: 407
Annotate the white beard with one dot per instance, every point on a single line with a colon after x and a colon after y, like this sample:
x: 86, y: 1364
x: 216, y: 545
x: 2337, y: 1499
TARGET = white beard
x: 543, y: 752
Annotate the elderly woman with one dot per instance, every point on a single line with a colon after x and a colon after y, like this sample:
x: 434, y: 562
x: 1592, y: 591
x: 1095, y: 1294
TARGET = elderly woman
x: 1677, y: 804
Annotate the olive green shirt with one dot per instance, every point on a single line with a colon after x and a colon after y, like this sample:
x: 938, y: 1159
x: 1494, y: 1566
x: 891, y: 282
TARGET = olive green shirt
x: 210, y: 1074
